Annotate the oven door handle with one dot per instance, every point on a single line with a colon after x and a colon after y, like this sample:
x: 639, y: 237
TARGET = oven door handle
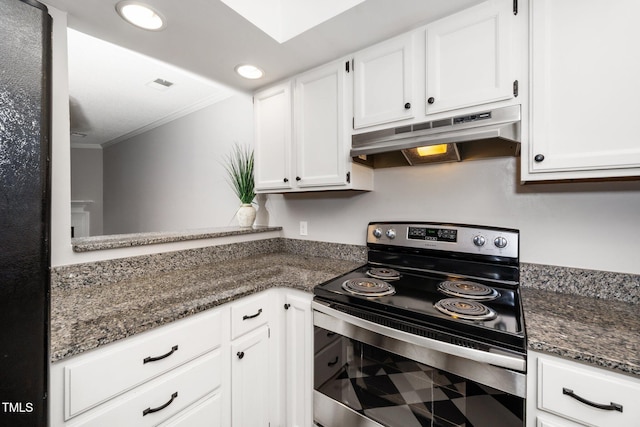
x: 503, y: 372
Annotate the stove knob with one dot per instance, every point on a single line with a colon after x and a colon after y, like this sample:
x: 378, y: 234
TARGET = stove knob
x: 479, y: 240
x: 391, y: 233
x: 377, y: 233
x: 500, y: 242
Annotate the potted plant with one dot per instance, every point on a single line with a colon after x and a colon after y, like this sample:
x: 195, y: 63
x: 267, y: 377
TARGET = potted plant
x: 239, y: 166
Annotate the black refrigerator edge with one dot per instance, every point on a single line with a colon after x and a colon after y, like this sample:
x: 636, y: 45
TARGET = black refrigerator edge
x: 25, y: 61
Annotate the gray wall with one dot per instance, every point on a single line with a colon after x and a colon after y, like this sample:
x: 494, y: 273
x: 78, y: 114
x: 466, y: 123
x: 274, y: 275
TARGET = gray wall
x: 171, y: 177
x: 584, y: 225
x: 86, y: 183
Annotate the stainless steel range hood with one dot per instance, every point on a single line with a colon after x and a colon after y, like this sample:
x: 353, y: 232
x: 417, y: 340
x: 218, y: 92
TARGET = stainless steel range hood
x: 488, y: 133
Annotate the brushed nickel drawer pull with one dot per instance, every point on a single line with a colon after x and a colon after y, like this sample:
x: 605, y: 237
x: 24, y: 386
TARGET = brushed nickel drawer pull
x: 253, y: 316
x: 160, y: 408
x: 153, y: 359
x: 611, y: 407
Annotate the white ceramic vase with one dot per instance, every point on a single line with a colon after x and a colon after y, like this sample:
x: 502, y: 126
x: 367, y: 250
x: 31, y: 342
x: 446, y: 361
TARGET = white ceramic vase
x: 246, y: 215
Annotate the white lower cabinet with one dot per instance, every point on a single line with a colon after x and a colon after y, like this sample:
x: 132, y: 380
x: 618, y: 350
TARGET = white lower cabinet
x: 206, y: 412
x: 158, y: 400
x: 145, y: 379
x: 564, y: 393
x: 250, y: 387
x: 298, y: 359
x: 246, y: 363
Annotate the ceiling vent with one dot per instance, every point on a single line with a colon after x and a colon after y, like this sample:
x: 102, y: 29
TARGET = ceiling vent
x: 160, y: 84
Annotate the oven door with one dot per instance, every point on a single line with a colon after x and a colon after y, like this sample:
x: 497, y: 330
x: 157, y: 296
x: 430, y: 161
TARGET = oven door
x: 367, y: 374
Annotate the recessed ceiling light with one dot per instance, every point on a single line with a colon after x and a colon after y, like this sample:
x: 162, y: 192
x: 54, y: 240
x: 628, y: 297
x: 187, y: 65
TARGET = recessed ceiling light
x: 141, y: 15
x: 249, y: 71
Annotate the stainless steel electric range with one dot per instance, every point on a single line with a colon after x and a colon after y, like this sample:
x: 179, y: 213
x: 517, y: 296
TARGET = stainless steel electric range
x: 430, y: 332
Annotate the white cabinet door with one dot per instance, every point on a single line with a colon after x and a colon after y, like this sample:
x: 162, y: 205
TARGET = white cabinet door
x: 585, y: 85
x: 298, y: 359
x: 273, y: 131
x: 383, y: 82
x: 250, y: 388
x: 320, y: 129
x: 469, y: 57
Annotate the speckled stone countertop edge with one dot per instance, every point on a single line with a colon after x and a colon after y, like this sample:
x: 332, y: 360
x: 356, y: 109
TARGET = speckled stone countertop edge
x: 114, y: 241
x: 598, y: 332
x: 227, y: 298
x: 620, y: 367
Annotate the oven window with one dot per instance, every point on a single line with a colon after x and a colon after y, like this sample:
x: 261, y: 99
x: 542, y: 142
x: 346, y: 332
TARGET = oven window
x: 398, y: 392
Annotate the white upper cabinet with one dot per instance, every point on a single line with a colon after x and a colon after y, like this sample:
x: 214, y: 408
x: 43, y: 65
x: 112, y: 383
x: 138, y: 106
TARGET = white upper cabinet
x: 302, y: 134
x: 584, y: 90
x: 383, y: 82
x: 273, y: 132
x: 469, y: 57
x: 321, y: 133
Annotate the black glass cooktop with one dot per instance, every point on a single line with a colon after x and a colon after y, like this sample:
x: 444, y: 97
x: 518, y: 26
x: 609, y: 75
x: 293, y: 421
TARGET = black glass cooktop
x: 413, y: 306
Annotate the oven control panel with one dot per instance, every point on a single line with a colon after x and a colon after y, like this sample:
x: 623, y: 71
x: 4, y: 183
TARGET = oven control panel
x: 492, y: 241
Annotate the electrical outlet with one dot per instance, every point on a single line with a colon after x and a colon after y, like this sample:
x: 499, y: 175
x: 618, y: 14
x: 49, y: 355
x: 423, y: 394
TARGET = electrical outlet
x: 303, y: 228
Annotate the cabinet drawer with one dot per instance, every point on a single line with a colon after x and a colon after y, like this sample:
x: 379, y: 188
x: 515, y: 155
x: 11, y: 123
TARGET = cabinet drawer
x: 556, y: 379
x: 249, y: 314
x: 162, y: 398
x: 328, y: 362
x: 109, y: 371
x: 207, y: 412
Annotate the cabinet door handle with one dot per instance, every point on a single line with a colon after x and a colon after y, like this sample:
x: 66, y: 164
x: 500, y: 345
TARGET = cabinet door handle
x: 160, y: 408
x: 539, y: 158
x: 611, y: 407
x: 333, y: 362
x: 153, y: 359
x: 240, y: 354
x: 286, y: 306
x: 253, y: 316
x: 286, y: 180
x: 431, y: 100
x: 407, y: 106
x: 298, y: 178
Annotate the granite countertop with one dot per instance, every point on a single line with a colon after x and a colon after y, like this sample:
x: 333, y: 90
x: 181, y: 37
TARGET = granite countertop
x: 602, y: 332
x: 85, y: 317
x: 113, y: 241
x: 605, y: 333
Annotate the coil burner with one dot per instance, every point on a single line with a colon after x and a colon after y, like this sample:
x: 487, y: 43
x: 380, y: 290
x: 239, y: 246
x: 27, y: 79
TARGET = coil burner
x: 384, y: 273
x: 368, y: 287
x: 468, y: 290
x: 465, y: 309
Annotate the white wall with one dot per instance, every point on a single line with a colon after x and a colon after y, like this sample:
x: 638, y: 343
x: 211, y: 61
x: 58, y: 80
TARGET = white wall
x: 86, y: 183
x: 584, y: 225
x: 171, y: 177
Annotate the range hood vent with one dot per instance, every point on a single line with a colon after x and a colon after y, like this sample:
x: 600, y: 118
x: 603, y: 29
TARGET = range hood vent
x: 490, y: 133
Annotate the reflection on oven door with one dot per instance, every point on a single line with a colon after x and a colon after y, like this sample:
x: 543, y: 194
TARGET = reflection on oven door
x: 357, y: 384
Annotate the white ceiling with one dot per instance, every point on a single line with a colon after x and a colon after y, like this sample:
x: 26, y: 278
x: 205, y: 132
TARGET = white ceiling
x: 113, y: 95
x: 208, y: 38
